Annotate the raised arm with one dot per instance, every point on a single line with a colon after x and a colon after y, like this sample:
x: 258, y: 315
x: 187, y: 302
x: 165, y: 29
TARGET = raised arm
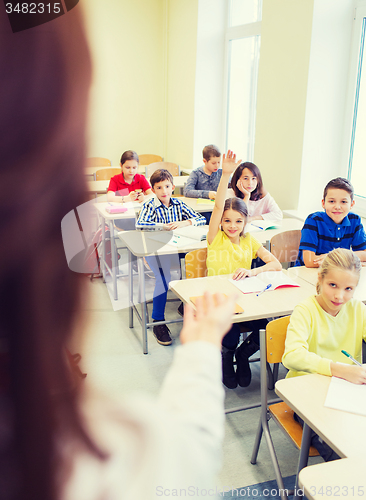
x: 229, y: 164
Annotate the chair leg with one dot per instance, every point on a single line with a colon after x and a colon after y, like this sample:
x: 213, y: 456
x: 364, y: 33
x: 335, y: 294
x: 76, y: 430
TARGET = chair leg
x: 276, y: 466
x: 257, y: 443
x: 271, y: 381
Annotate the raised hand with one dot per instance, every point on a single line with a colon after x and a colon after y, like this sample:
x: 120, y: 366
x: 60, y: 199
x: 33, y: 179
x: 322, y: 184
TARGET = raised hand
x: 229, y: 163
x: 212, y: 321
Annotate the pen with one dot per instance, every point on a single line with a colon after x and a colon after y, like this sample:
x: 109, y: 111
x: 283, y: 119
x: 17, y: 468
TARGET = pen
x: 350, y: 357
x: 267, y: 287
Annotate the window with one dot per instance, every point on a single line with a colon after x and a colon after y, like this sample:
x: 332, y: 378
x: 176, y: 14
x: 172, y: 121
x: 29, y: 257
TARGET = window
x: 242, y: 49
x: 357, y: 123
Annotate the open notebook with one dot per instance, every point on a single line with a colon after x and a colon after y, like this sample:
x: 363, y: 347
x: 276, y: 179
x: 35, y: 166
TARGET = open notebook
x: 262, y: 225
x: 255, y: 284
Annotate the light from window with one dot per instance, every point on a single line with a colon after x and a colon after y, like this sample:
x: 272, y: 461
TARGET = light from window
x: 357, y: 158
x: 242, y: 93
x: 245, y: 11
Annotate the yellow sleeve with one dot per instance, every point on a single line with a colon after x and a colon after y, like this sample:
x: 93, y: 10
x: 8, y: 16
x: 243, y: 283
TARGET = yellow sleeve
x: 297, y: 358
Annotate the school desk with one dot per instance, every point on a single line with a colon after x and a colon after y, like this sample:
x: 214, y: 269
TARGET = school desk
x: 338, y: 479
x: 142, y: 244
x: 344, y: 432
x: 264, y: 236
x: 107, y: 219
x: 310, y: 274
x: 100, y: 187
x: 280, y: 302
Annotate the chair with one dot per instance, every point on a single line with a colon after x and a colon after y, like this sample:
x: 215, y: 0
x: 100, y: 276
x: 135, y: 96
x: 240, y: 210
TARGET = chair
x: 104, y: 174
x: 147, y: 159
x: 272, y: 346
x: 285, y: 246
x: 98, y: 162
x: 195, y: 263
x: 173, y: 168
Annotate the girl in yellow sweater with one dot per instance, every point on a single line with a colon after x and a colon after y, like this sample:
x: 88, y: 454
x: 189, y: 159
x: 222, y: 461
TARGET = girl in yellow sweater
x: 230, y: 251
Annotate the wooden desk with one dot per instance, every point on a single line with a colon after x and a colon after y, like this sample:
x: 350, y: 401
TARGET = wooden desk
x: 344, y: 432
x: 270, y: 304
x: 142, y: 244
x: 338, y: 479
x: 310, y: 274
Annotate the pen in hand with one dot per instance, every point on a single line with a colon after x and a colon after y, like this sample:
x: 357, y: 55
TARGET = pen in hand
x: 350, y: 357
x: 267, y: 287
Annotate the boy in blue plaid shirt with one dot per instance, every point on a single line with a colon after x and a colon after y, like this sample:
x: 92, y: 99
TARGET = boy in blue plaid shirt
x: 173, y: 213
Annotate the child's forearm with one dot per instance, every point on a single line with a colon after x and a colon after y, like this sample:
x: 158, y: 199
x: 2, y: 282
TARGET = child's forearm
x: 353, y: 373
x: 221, y: 191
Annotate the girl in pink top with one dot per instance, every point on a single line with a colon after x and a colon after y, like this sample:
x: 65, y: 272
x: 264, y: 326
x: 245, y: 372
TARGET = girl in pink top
x: 247, y: 184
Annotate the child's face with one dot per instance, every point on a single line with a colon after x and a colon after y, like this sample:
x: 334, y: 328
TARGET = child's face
x: 163, y: 191
x: 337, y: 204
x: 248, y: 180
x: 232, y: 223
x: 213, y: 164
x: 336, y: 288
x: 129, y: 169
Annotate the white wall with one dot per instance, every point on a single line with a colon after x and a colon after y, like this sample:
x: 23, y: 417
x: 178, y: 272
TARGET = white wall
x: 209, y: 100
x: 326, y: 99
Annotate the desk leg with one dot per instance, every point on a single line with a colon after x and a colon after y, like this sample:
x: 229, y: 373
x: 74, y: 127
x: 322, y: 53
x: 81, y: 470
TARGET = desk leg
x: 130, y: 288
x: 102, y: 260
x: 304, y: 454
x: 142, y: 296
x: 114, y: 260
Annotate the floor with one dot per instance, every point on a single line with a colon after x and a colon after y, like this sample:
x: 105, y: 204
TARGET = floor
x: 113, y: 359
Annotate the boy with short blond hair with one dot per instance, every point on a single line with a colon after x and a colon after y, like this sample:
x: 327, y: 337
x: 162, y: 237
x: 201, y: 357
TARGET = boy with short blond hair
x: 173, y: 213
x: 336, y: 227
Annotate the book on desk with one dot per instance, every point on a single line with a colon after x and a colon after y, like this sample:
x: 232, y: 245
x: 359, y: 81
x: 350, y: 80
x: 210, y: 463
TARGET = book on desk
x: 255, y: 284
x: 262, y: 225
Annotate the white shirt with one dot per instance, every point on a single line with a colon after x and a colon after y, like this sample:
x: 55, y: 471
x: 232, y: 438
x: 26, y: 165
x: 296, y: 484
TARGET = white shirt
x: 171, y: 443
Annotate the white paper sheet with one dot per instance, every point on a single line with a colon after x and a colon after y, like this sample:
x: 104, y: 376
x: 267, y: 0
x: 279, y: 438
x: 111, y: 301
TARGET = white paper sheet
x: 345, y: 396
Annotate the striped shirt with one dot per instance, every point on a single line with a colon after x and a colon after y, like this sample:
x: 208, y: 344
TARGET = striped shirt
x: 153, y: 211
x: 321, y: 234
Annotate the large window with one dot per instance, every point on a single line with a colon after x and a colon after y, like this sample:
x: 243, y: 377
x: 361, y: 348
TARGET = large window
x: 242, y: 48
x: 357, y: 123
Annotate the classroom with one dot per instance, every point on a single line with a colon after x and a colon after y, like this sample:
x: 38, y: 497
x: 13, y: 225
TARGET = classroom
x: 160, y: 86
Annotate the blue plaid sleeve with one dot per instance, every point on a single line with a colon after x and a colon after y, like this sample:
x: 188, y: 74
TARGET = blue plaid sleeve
x: 188, y: 213
x: 147, y: 215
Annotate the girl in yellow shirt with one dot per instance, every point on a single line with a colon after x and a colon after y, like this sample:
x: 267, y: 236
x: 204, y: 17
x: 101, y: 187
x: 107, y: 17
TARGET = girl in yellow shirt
x: 229, y: 251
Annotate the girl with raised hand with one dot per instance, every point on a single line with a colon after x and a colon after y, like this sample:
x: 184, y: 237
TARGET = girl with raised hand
x: 230, y: 251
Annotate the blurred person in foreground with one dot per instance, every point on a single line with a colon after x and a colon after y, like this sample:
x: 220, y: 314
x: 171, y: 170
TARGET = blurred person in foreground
x: 55, y: 442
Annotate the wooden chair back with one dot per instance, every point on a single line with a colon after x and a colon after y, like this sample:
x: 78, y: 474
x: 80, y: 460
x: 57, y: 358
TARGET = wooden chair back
x: 285, y: 246
x: 98, y: 162
x: 275, y: 339
x: 196, y: 263
x: 147, y: 159
x: 173, y: 168
x: 104, y: 174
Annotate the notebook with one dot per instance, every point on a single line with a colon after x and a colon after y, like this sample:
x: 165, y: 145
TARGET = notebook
x: 115, y: 209
x: 194, y: 232
x: 266, y: 224
x: 238, y: 309
x: 255, y: 284
x: 205, y: 201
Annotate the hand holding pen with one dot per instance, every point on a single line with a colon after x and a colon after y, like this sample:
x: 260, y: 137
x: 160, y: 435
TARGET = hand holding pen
x: 355, y: 373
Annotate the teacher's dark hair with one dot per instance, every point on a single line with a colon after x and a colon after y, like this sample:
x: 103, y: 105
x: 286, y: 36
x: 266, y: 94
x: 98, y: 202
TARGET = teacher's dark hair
x: 44, y: 85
